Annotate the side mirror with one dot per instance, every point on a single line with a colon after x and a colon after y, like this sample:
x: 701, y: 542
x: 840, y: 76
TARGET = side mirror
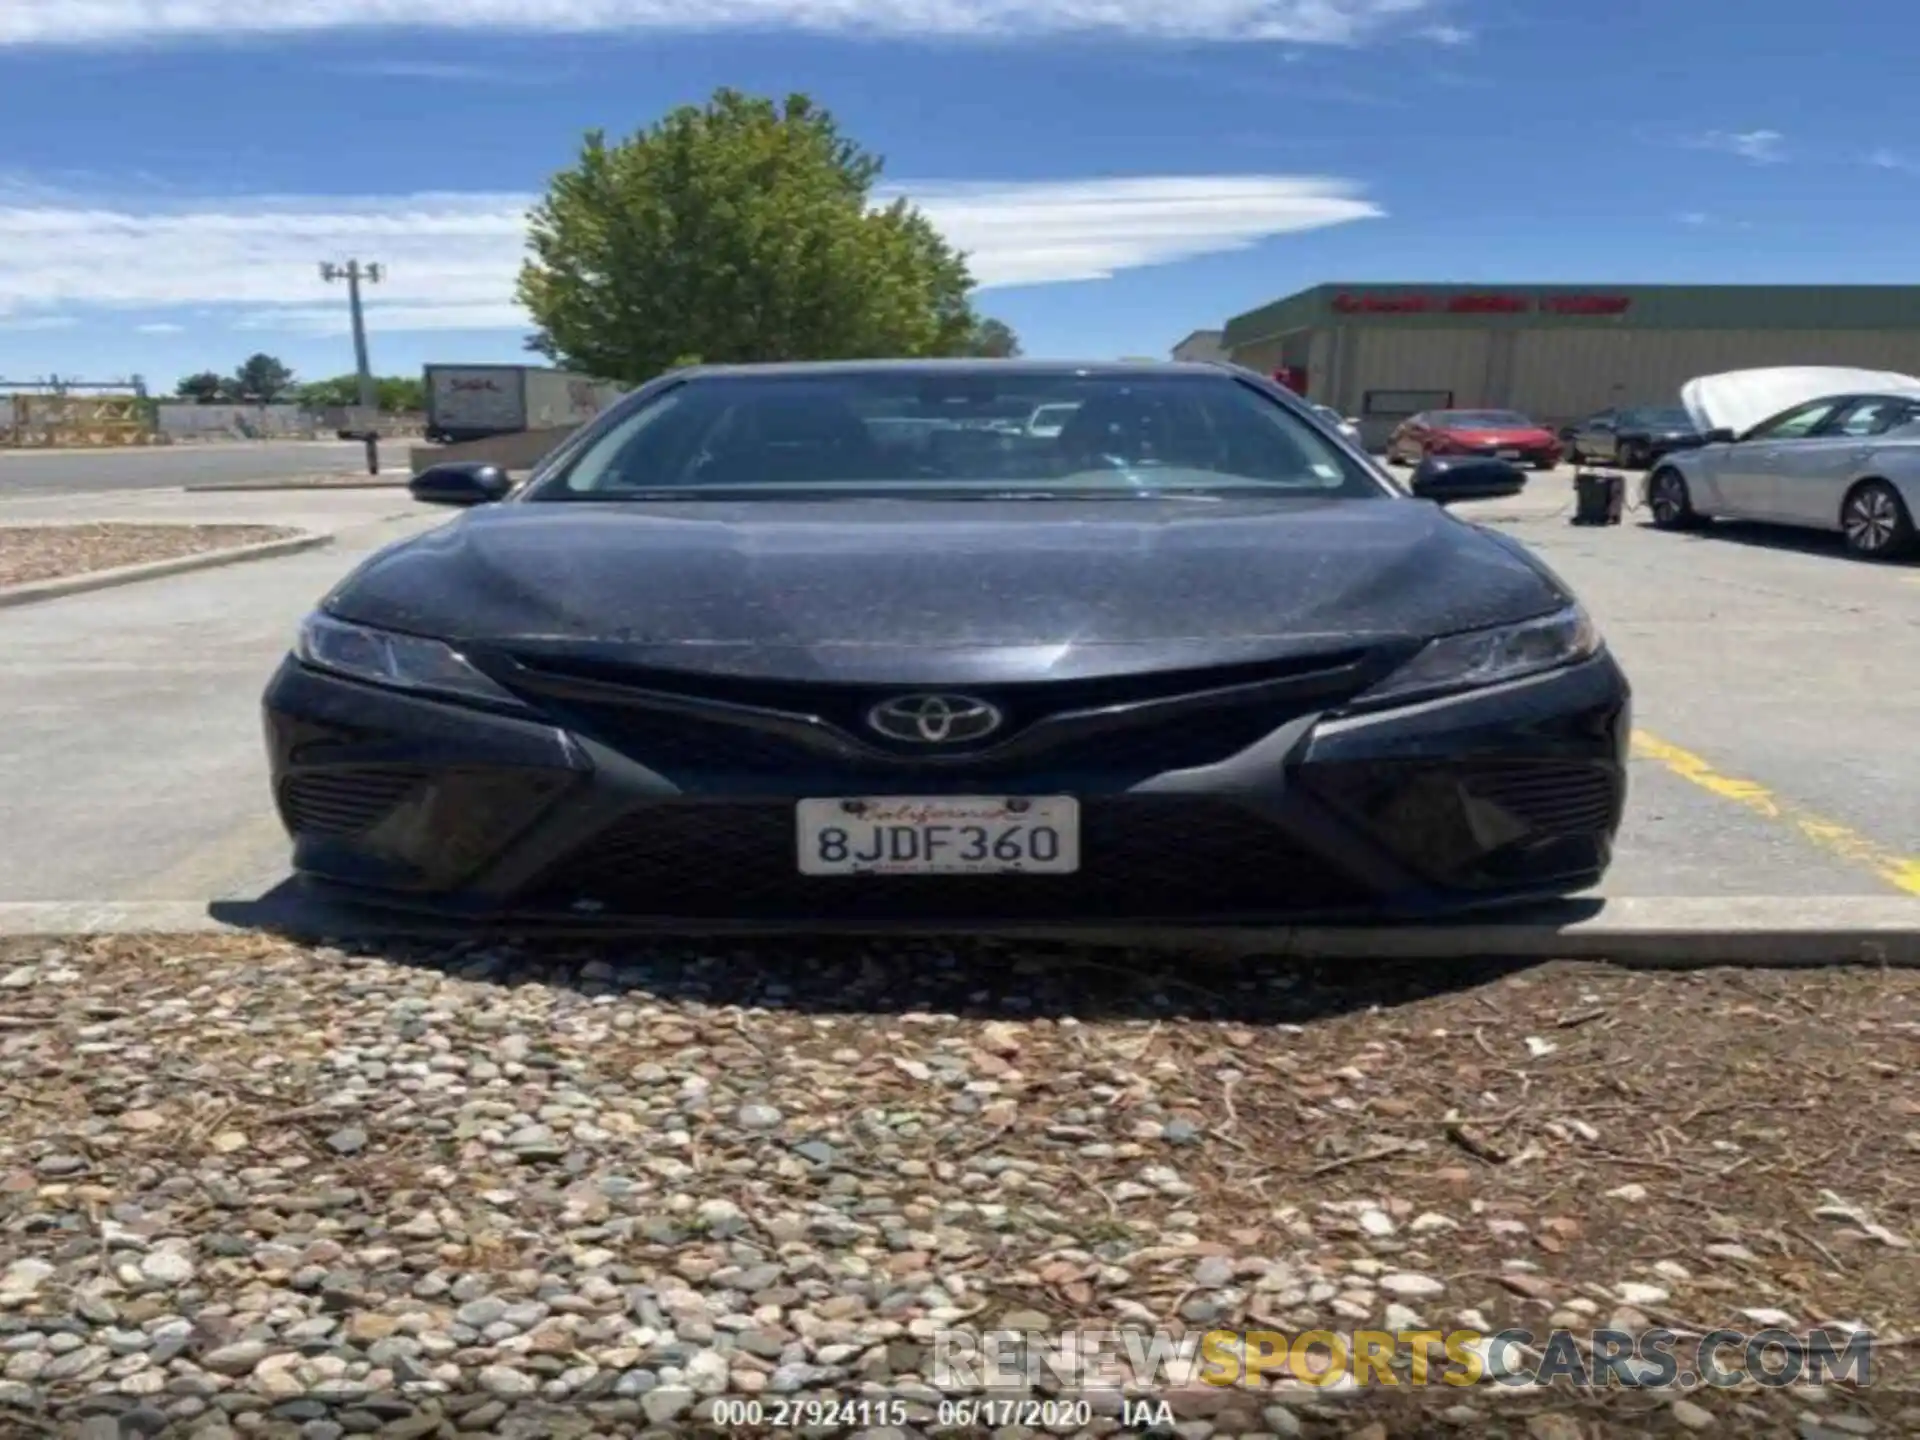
x: 460, y: 482
x: 1447, y: 482
x: 1719, y: 437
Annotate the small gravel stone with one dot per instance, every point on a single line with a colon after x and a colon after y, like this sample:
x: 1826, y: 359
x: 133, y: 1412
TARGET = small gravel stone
x: 506, y: 1383
x: 758, y: 1117
x: 1636, y: 1292
x: 1409, y: 1286
x: 167, y: 1267
x: 1690, y: 1416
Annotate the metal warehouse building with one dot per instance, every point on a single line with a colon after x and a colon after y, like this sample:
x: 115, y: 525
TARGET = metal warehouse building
x: 1559, y: 352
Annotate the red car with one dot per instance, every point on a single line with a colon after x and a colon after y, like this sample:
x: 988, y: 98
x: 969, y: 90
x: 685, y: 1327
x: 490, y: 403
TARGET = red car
x: 1505, y: 433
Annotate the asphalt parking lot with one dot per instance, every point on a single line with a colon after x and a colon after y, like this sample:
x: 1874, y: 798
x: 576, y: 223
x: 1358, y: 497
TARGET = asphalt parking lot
x: 73, y: 472
x: 1777, y: 684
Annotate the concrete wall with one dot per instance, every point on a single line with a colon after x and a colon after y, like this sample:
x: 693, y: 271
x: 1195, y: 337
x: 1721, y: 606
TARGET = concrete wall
x: 212, y: 422
x: 1561, y: 374
x: 1201, y: 345
x: 521, y: 450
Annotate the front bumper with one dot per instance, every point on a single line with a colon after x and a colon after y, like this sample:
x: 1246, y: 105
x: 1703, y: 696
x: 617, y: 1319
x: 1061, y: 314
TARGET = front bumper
x: 1530, y: 454
x: 1661, y: 446
x: 1501, y: 796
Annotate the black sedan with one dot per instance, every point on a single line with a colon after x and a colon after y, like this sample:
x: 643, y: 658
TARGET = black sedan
x: 1631, y: 439
x: 740, y: 656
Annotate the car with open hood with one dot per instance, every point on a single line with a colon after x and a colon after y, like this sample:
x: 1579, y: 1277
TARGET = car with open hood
x: 1501, y: 434
x: 1816, y: 447
x: 740, y: 654
x: 1633, y: 438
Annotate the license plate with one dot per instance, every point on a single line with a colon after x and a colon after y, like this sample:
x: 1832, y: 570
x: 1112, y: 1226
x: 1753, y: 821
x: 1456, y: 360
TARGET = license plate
x: 939, y: 835
x: 1506, y: 454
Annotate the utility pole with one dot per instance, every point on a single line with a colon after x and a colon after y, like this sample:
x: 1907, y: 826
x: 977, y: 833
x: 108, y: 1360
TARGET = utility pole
x: 353, y: 272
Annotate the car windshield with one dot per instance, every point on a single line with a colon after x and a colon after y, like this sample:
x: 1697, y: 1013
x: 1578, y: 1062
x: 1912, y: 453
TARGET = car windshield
x: 1482, y: 420
x: 913, y: 433
x: 1665, y: 419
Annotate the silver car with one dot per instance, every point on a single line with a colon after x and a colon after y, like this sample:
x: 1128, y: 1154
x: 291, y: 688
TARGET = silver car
x: 1846, y: 461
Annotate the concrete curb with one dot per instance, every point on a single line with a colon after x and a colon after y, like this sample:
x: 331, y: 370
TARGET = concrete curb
x: 1639, y: 930
x: 157, y: 569
x: 220, y: 487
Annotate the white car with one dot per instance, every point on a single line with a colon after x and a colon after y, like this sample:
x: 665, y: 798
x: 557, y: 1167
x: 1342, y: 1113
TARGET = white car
x: 1347, y: 427
x: 1818, y: 447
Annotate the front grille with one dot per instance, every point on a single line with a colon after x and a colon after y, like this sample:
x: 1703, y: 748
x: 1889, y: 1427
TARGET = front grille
x: 695, y: 752
x: 1142, y: 858
x: 1535, y: 797
x: 845, y: 705
x: 1551, y: 798
x: 737, y: 735
x: 344, y: 802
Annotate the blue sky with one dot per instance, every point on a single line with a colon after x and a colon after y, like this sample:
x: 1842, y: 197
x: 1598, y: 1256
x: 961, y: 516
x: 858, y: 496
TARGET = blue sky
x: 1121, y: 171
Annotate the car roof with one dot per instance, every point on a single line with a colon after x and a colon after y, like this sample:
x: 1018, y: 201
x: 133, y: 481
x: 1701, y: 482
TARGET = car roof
x: 973, y: 366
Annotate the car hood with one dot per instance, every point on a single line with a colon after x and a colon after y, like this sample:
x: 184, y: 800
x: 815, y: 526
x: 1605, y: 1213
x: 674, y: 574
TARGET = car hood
x: 930, y: 591
x: 1738, y: 400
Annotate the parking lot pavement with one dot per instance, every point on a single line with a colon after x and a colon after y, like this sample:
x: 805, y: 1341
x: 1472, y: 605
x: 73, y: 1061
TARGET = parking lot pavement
x: 131, y: 764
x: 74, y: 472
x: 326, y: 511
x: 1777, y: 697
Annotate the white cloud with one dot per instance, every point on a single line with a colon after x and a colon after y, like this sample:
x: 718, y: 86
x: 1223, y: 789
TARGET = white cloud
x: 160, y: 327
x: 1693, y: 217
x: 1762, y: 147
x: 1445, y: 34
x: 1884, y: 159
x: 38, y: 322
x: 1332, y: 22
x: 450, y: 259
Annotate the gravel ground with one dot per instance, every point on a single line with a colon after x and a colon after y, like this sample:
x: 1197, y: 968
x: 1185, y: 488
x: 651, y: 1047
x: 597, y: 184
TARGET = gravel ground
x: 255, y: 1187
x: 51, y: 552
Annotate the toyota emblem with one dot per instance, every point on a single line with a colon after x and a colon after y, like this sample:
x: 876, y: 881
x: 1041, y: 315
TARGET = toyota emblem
x: 934, y: 719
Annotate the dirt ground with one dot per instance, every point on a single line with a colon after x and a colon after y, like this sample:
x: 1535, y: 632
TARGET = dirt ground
x: 30, y: 553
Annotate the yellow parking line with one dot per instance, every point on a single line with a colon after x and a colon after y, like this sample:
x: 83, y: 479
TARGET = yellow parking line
x: 1900, y: 871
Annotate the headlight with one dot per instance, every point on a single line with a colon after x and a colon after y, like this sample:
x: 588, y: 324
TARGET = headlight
x: 1489, y: 657
x: 405, y: 662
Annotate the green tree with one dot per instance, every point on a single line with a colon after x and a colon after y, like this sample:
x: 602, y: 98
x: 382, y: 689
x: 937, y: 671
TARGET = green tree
x: 740, y: 231
x: 397, y: 393
x: 400, y: 394
x: 328, y: 394
x: 262, y: 378
x: 994, y: 338
x: 205, y: 388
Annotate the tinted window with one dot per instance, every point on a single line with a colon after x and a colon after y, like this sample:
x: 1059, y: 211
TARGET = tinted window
x: 1876, y: 415
x: 960, y: 433
x: 1489, y: 419
x: 1659, y: 419
x: 1798, y: 423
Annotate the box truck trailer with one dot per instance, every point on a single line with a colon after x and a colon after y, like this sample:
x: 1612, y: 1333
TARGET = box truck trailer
x: 471, y: 402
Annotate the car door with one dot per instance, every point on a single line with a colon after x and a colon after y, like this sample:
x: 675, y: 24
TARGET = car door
x: 1811, y: 478
x: 1597, y: 436
x: 1749, y: 475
